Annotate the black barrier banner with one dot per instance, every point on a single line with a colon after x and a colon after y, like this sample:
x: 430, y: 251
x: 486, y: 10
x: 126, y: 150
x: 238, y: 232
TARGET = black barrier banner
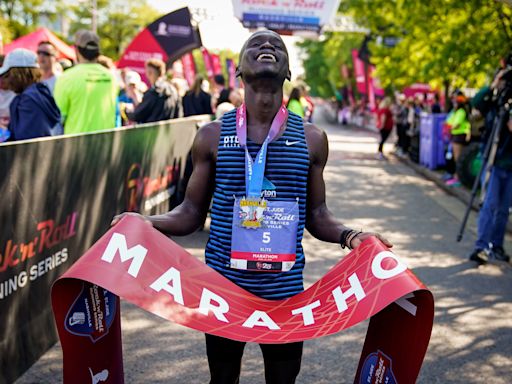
x: 58, y: 196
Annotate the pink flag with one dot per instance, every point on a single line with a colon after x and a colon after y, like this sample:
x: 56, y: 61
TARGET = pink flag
x: 216, y: 66
x: 189, y: 67
x: 207, y: 62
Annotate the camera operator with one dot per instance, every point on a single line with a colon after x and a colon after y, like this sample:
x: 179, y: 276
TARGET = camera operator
x: 493, y: 216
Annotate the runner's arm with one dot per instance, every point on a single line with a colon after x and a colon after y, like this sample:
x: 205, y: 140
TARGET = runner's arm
x: 320, y: 222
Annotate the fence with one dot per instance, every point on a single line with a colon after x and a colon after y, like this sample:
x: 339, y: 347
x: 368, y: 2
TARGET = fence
x: 58, y: 195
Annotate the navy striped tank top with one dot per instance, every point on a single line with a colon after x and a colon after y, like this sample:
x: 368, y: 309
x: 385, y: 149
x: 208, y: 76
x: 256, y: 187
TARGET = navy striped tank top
x: 286, y: 175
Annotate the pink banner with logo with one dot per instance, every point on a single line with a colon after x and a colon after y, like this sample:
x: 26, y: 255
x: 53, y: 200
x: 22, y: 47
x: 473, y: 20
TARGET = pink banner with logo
x: 216, y: 66
x: 231, y: 67
x: 359, y: 72
x: 135, y: 262
x: 207, y: 62
x: 189, y: 68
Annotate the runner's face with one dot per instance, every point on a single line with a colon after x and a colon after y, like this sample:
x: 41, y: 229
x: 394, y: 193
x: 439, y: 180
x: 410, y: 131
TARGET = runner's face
x: 264, y: 55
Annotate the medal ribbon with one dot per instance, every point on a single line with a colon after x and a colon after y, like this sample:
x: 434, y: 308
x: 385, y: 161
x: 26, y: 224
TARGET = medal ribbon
x: 255, y: 170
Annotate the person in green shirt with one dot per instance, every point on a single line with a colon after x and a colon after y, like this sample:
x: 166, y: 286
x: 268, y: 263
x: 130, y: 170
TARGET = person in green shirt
x: 86, y: 93
x: 460, y: 131
x: 294, y: 103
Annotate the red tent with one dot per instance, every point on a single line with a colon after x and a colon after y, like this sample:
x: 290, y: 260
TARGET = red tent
x: 31, y: 40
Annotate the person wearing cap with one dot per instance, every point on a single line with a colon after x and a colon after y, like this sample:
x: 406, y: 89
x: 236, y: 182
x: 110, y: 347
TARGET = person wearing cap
x: 33, y: 112
x: 86, y: 93
x: 130, y: 95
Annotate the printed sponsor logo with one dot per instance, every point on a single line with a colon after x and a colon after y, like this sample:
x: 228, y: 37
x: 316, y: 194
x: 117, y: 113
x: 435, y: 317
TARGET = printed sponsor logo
x: 144, y: 191
x: 231, y: 141
x: 49, y: 234
x: 377, y: 369
x: 92, y: 313
x: 98, y: 377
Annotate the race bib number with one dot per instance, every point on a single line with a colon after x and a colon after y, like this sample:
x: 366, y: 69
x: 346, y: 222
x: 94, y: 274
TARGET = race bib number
x: 268, y: 244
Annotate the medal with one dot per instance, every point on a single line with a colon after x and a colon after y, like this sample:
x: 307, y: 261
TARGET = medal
x: 252, y: 212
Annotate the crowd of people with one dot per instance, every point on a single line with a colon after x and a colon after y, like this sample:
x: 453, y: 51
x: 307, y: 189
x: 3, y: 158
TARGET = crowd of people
x: 92, y: 94
x: 467, y: 120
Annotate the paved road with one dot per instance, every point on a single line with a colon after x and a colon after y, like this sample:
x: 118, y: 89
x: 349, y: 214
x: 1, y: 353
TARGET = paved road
x: 472, y: 336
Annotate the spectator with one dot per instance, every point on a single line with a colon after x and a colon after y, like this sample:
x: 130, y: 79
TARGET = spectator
x: 294, y: 103
x: 221, y: 92
x: 385, y: 124
x: 47, y: 59
x: 86, y: 93
x: 6, y: 97
x: 235, y: 100
x: 33, y: 112
x: 307, y: 103
x: 132, y: 93
x: 161, y: 101
x: 402, y: 126
x: 494, y: 213
x: 436, y: 107
x: 196, y: 101
x: 460, y: 132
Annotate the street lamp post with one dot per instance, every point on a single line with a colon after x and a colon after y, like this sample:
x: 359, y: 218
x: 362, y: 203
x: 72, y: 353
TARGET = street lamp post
x: 94, y: 16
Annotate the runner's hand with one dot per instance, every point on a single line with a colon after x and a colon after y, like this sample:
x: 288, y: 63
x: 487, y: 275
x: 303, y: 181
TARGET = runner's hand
x: 356, y: 241
x: 116, y: 218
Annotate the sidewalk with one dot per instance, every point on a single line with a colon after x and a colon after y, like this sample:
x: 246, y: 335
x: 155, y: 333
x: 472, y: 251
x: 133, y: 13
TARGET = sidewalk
x: 461, y: 192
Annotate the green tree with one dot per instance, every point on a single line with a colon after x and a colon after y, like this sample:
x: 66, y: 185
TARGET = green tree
x: 324, y: 58
x: 119, y: 21
x: 449, y: 42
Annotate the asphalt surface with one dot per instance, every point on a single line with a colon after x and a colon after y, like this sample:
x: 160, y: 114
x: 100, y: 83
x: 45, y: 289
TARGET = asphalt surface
x: 472, y: 335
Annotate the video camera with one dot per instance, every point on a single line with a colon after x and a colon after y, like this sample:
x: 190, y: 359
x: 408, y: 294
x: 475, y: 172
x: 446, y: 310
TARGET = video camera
x: 503, y: 93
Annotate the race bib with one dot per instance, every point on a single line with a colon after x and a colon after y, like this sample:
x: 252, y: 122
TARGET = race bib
x: 264, y: 235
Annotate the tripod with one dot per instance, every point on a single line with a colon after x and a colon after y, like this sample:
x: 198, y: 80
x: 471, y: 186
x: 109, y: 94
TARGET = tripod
x: 488, y: 161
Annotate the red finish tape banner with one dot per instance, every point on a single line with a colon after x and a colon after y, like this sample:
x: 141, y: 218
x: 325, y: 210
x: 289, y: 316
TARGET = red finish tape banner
x: 135, y: 262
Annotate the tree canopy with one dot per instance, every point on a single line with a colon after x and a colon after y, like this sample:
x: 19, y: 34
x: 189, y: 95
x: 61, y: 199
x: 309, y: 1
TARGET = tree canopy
x: 443, y: 42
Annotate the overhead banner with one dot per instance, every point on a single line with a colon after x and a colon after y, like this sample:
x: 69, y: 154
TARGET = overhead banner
x: 167, y: 39
x: 135, y: 262
x: 285, y: 16
x: 59, y: 195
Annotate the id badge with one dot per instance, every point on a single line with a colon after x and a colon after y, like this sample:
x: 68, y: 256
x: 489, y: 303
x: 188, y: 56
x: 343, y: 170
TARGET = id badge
x: 264, y: 235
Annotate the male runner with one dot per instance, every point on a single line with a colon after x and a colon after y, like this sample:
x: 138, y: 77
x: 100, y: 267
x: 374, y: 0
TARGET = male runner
x: 264, y: 168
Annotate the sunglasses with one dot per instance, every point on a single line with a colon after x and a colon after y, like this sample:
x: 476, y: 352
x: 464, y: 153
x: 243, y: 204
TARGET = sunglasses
x: 44, y: 53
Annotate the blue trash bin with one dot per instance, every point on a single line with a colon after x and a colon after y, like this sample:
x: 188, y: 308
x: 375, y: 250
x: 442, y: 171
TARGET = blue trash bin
x: 431, y: 140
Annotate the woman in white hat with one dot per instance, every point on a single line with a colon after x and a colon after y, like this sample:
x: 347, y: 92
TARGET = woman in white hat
x: 33, y: 112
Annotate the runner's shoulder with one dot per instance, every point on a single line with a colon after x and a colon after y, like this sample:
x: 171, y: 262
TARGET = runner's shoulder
x: 207, y: 137
x: 315, y: 136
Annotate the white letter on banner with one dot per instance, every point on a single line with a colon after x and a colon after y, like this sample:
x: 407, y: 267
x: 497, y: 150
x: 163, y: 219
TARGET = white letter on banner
x: 262, y: 319
x: 163, y: 283
x: 307, y: 312
x: 218, y: 310
x: 355, y: 289
x: 118, y: 243
x: 384, y: 274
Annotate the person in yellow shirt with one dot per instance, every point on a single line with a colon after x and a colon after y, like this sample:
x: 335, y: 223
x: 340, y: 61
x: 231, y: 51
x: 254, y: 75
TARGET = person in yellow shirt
x: 460, y: 132
x: 86, y: 94
x: 294, y: 103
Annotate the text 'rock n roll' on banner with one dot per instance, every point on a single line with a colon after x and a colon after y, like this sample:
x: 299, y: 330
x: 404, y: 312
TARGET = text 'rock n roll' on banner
x: 135, y: 262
